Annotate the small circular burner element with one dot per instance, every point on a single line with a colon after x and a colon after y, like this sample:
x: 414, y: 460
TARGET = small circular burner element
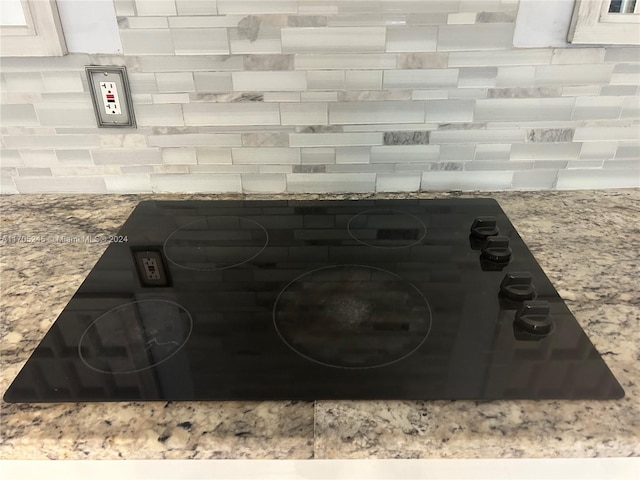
x: 352, y: 316
x: 387, y: 228
x: 216, y: 243
x: 135, y: 336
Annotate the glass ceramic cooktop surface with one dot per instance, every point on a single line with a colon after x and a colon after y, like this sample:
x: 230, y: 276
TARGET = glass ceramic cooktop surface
x: 305, y: 300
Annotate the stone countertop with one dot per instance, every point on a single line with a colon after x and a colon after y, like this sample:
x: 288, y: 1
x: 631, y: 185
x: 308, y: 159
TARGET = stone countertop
x: 588, y: 243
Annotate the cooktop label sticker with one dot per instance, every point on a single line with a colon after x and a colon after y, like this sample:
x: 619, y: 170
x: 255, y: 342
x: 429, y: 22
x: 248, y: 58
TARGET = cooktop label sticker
x: 352, y: 316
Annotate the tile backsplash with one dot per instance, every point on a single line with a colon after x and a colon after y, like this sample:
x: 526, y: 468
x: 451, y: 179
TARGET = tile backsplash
x: 326, y: 96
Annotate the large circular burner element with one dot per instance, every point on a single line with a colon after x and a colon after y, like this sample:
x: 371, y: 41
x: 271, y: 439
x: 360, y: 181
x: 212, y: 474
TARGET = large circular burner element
x: 352, y: 316
x: 135, y: 336
x: 386, y: 228
x: 216, y: 243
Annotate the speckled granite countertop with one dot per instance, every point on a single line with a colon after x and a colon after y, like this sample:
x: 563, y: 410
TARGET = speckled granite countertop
x: 588, y: 243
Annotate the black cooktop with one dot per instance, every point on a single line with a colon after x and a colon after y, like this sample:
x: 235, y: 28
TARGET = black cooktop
x: 306, y: 300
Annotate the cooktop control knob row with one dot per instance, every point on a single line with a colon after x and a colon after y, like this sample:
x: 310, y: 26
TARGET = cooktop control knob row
x: 496, y: 249
x: 483, y: 227
x: 517, y: 286
x: 535, y: 317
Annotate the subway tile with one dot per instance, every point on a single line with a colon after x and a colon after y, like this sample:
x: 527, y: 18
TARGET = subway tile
x: 156, y: 7
x: 345, y: 62
x: 592, y: 108
x: 491, y: 180
x: 363, y: 80
x: 34, y: 172
x: 333, y: 40
x: 496, y: 166
x: 26, y: 64
x: 406, y: 137
x: 618, y: 90
x: 179, y: 156
x: 520, y: 77
x: 172, y: 168
x: 269, y: 81
x: 10, y: 158
x: 413, y: 6
x: 303, y: 113
x: 464, y: 18
x: 376, y: 112
x: 221, y: 169
x: 374, y: 95
x: 252, y: 113
x: 254, y: 7
x: 368, y: 20
x: 589, y: 179
x: 622, y: 54
x: 284, y: 97
x: 430, y: 94
x: 60, y: 185
x: 364, y: 168
x: 599, y: 151
x: 331, y: 182
x: 125, y: 8
x: 142, y: 83
x: 450, y: 110
x: 477, y: 136
x: 170, y: 98
x: 307, y: 21
x: 317, y: 7
x: 537, y: 92
x: 422, y: 60
x: 148, y: 22
x: 70, y: 115
x: 580, y: 90
x: 213, y: 155
x: 147, y: 42
x: 63, y: 97
x: 631, y: 150
x: 629, y: 164
x: 159, y: 115
x: 355, y: 155
x: 581, y: 56
x: 196, y: 182
x: 265, y: 139
x: 39, y: 158
x: 545, y: 151
x: 132, y: 183
x: 269, y: 62
x: 427, y: 19
x: 202, y: 41
x: 514, y: 109
x: 534, y: 180
x: 62, y: 81
x: 23, y: 81
x: 264, y: 183
x: 599, y: 134
x: 573, y: 164
x: 497, y: 36
x: 266, y: 39
x: 386, y: 182
x: 192, y: 63
x: 427, y: 78
x: 127, y: 156
x: 572, y: 74
x: 205, y: 21
x: 319, y: 96
x: 195, y: 140
x: 213, y: 81
x: 550, y: 134
x: 318, y: 156
x: 467, y: 93
x: 477, y: 77
x: 311, y: 168
x: 506, y: 58
x: 18, y: 115
x: 404, y: 153
x: 631, y: 108
x: 492, y: 151
x: 457, y: 152
x: 326, y: 79
x: 51, y: 141
x: 412, y: 39
x: 334, y: 139
x: 196, y: 7
x: 265, y: 155
x: 175, y: 82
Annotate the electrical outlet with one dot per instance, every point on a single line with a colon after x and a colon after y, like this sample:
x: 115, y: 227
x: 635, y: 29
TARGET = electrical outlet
x: 151, y: 267
x: 110, y: 98
x: 112, y: 103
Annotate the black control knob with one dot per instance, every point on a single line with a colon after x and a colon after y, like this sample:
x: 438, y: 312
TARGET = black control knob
x: 496, y: 249
x: 535, y: 317
x: 517, y: 286
x: 483, y: 227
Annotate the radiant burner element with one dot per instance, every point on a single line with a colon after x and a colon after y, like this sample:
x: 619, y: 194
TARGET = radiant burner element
x: 216, y: 243
x: 387, y: 228
x: 135, y: 336
x: 352, y: 316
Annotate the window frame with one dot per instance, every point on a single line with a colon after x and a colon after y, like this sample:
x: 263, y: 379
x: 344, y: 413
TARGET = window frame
x: 592, y: 23
x: 42, y: 36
